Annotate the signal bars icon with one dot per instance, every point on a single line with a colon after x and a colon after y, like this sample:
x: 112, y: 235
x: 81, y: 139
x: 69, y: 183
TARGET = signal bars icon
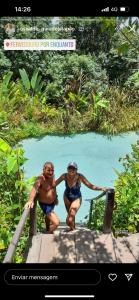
x: 105, y: 9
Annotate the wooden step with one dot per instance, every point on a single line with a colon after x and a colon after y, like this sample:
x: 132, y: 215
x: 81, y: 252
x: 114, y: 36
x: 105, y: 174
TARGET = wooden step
x: 82, y: 246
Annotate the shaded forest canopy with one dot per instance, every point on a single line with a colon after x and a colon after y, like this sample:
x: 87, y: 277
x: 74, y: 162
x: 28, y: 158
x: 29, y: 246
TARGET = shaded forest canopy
x: 47, y: 91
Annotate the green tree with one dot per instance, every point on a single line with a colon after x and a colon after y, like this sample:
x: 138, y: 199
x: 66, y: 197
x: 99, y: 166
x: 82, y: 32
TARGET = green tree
x: 79, y: 74
x: 12, y: 191
x: 127, y: 193
x: 122, y: 58
x: 92, y: 34
x: 126, y: 215
x: 24, y: 29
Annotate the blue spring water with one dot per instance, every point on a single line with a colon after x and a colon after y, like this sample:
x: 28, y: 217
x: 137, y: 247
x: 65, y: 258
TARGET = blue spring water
x: 97, y: 156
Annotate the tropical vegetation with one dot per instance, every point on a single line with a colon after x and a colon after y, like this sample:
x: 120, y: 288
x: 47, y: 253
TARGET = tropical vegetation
x: 126, y: 215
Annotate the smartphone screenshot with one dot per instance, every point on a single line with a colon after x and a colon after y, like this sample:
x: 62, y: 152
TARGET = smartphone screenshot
x: 69, y: 151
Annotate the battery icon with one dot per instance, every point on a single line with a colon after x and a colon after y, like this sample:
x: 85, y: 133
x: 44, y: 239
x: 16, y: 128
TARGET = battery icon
x: 124, y: 8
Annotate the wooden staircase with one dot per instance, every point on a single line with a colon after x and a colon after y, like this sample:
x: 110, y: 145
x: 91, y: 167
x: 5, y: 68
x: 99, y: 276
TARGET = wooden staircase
x: 82, y: 246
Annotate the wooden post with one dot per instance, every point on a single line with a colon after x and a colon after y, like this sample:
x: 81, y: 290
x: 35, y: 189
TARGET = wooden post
x: 90, y: 212
x: 108, y: 211
x: 33, y: 219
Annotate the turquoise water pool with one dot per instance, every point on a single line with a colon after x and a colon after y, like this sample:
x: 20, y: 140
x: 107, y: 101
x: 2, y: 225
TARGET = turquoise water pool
x: 96, y: 155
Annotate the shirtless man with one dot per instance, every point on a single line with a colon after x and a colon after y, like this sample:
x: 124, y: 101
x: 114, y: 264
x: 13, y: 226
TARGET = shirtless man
x: 72, y: 194
x: 46, y: 192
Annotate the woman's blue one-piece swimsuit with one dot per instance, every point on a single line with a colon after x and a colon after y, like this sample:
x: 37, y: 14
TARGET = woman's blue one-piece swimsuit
x: 74, y: 192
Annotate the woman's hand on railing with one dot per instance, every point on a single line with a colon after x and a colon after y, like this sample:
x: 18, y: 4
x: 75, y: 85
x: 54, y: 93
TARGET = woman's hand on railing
x: 29, y: 204
x: 105, y: 189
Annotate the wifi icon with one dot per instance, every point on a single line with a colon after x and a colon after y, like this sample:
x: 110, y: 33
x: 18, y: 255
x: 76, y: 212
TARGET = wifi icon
x: 105, y: 9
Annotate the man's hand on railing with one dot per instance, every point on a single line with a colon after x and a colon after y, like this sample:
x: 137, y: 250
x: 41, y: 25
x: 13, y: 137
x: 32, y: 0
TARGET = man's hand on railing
x: 29, y: 204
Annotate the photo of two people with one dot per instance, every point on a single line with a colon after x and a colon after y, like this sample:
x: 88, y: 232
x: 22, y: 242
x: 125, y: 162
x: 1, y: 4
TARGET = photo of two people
x: 69, y: 121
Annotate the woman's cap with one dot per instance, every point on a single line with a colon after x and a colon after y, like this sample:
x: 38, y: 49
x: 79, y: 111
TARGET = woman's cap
x: 73, y: 165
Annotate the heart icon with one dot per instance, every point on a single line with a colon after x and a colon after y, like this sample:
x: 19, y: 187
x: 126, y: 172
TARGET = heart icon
x: 112, y: 276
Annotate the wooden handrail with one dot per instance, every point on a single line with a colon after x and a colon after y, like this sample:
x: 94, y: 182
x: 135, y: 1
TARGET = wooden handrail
x: 109, y: 207
x: 33, y: 220
x: 19, y: 229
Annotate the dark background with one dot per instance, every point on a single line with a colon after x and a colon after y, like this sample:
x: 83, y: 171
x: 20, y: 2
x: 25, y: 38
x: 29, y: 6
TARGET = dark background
x: 105, y: 287
x: 69, y: 8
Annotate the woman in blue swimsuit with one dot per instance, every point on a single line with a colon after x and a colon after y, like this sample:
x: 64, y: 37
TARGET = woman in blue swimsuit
x: 72, y: 193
